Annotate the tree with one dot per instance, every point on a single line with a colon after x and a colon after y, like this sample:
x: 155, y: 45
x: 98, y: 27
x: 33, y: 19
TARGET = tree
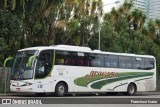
x: 126, y: 7
x: 9, y: 33
x: 151, y: 29
x: 81, y: 25
x: 157, y: 32
x: 137, y: 19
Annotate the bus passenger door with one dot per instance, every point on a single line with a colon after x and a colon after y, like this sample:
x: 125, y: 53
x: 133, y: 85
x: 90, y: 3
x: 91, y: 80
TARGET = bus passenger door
x: 43, y: 79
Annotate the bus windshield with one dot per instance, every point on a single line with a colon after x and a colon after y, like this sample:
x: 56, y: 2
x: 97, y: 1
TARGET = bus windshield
x: 23, y: 65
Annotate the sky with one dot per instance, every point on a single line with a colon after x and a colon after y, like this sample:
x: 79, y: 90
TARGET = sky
x: 107, y: 8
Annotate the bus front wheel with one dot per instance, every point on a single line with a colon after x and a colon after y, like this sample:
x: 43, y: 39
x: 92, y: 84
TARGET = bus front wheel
x: 60, y: 89
x: 131, y: 90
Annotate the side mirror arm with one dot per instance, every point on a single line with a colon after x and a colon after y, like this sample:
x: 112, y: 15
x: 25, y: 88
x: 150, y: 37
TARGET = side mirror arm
x: 6, y: 60
x: 30, y: 60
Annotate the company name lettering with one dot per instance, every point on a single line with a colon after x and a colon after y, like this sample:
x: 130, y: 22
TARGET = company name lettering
x: 102, y: 74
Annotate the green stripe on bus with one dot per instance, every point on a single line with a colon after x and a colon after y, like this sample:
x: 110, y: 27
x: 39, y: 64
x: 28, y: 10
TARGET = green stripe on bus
x: 84, y: 81
x: 100, y: 84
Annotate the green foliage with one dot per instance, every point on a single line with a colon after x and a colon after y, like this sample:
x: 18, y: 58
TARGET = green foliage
x: 125, y: 31
x: 9, y: 35
x: 2, y: 50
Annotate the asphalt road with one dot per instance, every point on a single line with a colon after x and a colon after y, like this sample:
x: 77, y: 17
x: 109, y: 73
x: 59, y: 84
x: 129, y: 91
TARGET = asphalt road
x: 140, y: 98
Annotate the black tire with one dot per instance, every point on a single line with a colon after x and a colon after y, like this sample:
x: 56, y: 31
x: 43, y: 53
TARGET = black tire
x: 60, y: 89
x: 131, y: 90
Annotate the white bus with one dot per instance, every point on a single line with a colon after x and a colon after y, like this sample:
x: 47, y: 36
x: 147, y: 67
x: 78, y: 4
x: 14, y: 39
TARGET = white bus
x: 63, y: 69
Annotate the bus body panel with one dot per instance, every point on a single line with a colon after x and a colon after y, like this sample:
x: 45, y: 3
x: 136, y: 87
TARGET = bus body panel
x: 43, y: 85
x: 87, y: 78
x: 22, y: 85
x: 71, y: 73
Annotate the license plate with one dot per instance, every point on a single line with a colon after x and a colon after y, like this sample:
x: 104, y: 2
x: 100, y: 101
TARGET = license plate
x: 17, y: 89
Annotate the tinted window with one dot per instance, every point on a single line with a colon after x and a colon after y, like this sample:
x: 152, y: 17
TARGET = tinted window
x: 96, y: 60
x: 149, y: 63
x: 81, y: 59
x: 99, y: 60
x: 60, y: 57
x: 69, y: 59
x: 125, y: 62
x: 64, y: 58
x: 44, y: 64
x: 138, y: 63
x: 111, y: 61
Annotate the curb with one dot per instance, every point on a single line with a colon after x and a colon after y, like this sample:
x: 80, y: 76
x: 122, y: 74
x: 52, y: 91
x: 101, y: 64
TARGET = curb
x: 16, y: 94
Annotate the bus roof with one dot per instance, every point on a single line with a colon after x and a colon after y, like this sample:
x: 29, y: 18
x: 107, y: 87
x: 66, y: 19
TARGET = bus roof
x: 81, y: 49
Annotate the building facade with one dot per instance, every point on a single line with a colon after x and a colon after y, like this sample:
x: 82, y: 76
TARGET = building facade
x: 142, y: 4
x: 150, y: 7
x: 154, y: 9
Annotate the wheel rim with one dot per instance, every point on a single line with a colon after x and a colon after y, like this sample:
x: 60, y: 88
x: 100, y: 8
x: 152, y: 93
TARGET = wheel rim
x: 61, y: 90
x: 131, y: 90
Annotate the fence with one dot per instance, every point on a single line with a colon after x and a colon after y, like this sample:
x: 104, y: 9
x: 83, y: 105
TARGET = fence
x: 5, y: 74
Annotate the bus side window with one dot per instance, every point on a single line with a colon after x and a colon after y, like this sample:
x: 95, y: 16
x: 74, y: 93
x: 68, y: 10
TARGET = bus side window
x: 149, y: 63
x: 96, y: 60
x: 138, y: 63
x: 79, y: 62
x: 86, y: 59
x: 69, y: 59
x: 111, y: 61
x: 90, y: 60
x: 81, y: 59
x: 61, y: 58
x: 125, y: 62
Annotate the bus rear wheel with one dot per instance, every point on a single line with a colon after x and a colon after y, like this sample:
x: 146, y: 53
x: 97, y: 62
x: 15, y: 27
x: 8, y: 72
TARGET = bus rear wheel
x: 60, y: 89
x: 131, y: 90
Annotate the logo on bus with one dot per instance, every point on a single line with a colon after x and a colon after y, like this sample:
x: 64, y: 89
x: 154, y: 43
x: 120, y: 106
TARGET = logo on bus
x: 104, y: 74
